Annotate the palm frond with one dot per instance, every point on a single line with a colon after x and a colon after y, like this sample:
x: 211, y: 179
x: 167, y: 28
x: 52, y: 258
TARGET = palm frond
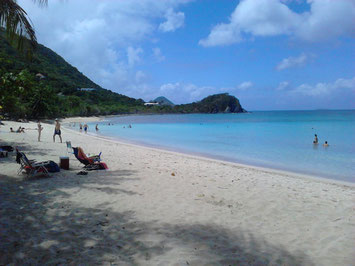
x: 17, y: 24
x: 41, y: 2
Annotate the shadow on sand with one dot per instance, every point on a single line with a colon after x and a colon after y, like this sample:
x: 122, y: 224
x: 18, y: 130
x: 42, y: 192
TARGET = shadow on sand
x: 37, y: 228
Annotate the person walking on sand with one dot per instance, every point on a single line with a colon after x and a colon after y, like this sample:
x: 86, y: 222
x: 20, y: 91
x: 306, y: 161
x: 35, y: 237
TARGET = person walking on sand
x: 39, y: 128
x: 86, y: 128
x: 57, y: 131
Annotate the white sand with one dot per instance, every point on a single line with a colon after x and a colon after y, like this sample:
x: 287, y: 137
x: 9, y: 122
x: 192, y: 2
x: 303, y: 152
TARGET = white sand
x: 156, y: 207
x: 81, y: 119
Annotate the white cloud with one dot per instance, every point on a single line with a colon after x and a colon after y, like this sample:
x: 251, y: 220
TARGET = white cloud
x: 283, y: 85
x: 94, y: 35
x: 174, y: 20
x: 292, y: 62
x: 245, y: 85
x: 158, y: 54
x: 321, y: 89
x: 326, y: 19
x: 141, y: 77
x: 133, y: 55
x: 183, y: 93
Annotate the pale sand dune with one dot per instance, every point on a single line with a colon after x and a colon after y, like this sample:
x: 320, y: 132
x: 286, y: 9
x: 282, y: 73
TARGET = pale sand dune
x: 207, y: 213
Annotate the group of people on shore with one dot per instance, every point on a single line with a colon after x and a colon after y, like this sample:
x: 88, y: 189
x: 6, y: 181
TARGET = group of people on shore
x: 315, y: 141
x: 19, y: 130
x: 39, y: 128
x: 57, y: 130
x: 86, y: 127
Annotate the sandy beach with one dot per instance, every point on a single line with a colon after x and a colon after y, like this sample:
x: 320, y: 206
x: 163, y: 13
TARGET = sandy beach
x: 154, y: 207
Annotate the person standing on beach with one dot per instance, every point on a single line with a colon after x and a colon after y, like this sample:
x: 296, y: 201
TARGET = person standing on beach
x: 57, y: 131
x: 39, y: 128
x: 81, y: 127
x: 86, y: 128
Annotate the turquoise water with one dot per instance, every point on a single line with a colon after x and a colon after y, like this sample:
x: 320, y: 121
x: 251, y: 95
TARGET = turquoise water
x: 273, y: 139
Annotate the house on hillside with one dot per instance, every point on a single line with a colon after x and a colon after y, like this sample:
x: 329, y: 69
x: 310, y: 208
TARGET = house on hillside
x: 86, y: 89
x: 150, y: 104
x: 160, y: 101
x: 40, y: 76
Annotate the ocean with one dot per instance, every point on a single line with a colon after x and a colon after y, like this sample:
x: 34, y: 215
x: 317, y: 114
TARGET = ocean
x: 274, y: 139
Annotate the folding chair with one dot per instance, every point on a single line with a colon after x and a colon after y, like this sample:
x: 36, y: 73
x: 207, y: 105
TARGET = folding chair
x: 29, y: 167
x: 90, y: 162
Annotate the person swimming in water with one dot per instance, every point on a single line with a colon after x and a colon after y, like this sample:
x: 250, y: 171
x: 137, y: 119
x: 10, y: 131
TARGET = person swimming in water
x: 325, y: 144
x: 315, y: 141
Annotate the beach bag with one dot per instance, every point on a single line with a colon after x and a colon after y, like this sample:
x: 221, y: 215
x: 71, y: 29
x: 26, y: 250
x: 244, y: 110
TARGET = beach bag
x: 7, y: 148
x: 52, y: 167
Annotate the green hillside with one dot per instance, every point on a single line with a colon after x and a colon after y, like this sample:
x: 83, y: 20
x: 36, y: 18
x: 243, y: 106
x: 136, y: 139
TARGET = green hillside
x: 60, y: 83
x: 162, y: 101
x: 218, y: 103
x: 59, y: 73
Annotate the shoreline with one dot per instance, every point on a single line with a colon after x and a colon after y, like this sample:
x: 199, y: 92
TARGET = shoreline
x: 205, y: 157
x: 220, y: 159
x: 157, y: 207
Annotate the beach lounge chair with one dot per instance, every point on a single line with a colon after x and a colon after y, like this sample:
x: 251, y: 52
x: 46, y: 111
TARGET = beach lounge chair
x: 89, y: 162
x: 31, y: 168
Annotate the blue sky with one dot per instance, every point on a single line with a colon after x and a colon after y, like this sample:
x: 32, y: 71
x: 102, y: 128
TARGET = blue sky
x: 271, y: 54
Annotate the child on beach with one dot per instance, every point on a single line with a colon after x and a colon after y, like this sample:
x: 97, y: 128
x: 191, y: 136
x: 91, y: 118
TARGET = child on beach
x: 81, y: 127
x: 39, y: 128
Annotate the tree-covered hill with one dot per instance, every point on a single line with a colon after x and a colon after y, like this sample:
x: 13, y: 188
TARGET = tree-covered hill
x: 58, y: 72
x: 47, y: 71
x: 218, y: 103
x: 162, y: 101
